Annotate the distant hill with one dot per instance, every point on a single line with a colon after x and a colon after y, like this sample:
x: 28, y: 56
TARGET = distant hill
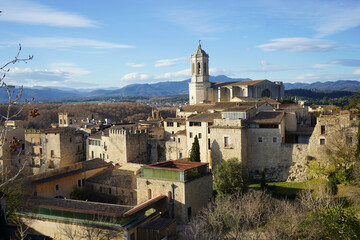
x: 46, y: 94
x: 340, y: 85
x: 158, y: 89
x: 316, y: 94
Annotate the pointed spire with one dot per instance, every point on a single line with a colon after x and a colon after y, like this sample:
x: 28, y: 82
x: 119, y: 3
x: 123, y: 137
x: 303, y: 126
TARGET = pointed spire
x: 199, y: 45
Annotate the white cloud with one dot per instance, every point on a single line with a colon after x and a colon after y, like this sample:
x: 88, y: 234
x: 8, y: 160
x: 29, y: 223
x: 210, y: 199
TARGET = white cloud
x: 52, y: 42
x: 169, y: 62
x: 136, y: 76
x: 264, y: 63
x: 33, y: 13
x: 135, y: 65
x: 337, y: 16
x: 180, y: 75
x: 64, y: 74
x: 357, y: 71
x: 70, y: 68
x: 299, y: 44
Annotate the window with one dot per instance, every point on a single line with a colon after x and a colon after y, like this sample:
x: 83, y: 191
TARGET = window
x: 64, y: 121
x: 322, y: 129
x: 52, y: 153
x: 109, y: 190
x: 191, y: 135
x: 79, y: 183
x: 83, y: 181
x: 60, y: 121
x: 178, y: 124
x: 196, y: 124
x: 57, y: 187
x: 32, y: 140
x: 107, y: 156
x: 226, y: 141
x: 204, y: 69
x: 322, y: 141
x: 200, y: 135
x: 169, y: 124
x: 149, y: 194
x: 179, y: 140
x: 170, y: 196
x: 172, y: 132
x: 274, y: 139
x: 260, y: 139
x: 180, y: 154
x: 209, y: 130
x: 199, y: 68
x: 189, y: 213
x: 100, y: 156
x: 209, y: 143
x: 92, y: 154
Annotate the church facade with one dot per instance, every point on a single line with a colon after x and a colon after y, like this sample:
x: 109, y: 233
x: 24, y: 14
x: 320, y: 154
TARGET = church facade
x: 201, y: 90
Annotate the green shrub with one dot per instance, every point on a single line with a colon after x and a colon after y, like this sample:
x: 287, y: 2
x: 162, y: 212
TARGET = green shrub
x: 331, y: 185
x: 339, y: 223
x: 228, y: 177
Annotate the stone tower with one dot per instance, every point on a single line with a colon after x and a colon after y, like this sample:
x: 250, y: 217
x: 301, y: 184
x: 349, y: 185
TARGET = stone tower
x: 199, y: 85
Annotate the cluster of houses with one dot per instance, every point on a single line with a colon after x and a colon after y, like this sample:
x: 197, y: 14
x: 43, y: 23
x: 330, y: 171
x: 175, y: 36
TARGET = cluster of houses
x: 135, y: 178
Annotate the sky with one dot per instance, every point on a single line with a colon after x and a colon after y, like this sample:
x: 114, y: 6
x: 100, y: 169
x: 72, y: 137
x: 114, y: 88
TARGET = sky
x: 112, y: 43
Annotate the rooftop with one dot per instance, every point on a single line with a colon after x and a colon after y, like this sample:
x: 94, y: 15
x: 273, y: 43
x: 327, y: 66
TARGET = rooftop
x: 265, y: 117
x: 179, y: 165
x: 68, y: 171
x: 205, y: 117
x: 238, y: 83
x: 114, y: 210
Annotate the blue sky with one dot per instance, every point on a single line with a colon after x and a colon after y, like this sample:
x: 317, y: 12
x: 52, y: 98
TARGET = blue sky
x: 102, y: 44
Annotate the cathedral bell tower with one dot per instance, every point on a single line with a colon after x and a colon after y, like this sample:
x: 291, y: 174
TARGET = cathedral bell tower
x: 199, y: 85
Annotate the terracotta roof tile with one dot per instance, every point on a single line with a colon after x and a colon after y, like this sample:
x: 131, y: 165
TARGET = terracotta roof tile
x: 267, y: 117
x: 205, y: 117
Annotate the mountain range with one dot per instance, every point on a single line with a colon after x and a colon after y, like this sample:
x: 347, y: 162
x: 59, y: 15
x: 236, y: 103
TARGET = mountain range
x: 45, y: 94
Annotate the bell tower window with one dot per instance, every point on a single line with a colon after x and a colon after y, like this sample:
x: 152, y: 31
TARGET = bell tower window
x: 205, y: 71
x: 199, y: 68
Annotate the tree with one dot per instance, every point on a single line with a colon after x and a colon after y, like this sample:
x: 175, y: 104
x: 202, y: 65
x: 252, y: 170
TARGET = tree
x: 195, y: 151
x: 14, y: 97
x: 228, y: 177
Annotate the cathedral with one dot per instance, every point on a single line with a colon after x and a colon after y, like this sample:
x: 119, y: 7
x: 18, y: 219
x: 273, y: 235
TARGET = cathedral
x: 201, y: 90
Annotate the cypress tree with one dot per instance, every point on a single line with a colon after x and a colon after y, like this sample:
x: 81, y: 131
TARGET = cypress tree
x: 195, y: 151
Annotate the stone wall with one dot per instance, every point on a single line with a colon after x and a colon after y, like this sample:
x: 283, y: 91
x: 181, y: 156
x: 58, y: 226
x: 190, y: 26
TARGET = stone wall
x: 194, y: 194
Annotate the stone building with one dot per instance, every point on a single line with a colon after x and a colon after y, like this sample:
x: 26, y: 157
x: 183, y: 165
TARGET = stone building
x: 119, y: 144
x: 54, y: 147
x: 201, y: 90
x: 188, y: 186
x: 66, y: 120
x: 117, y: 184
x: 11, y: 148
x: 62, y: 181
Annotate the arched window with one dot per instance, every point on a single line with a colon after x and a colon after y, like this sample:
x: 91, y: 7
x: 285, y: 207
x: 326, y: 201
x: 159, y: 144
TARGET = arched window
x: 170, y: 196
x: 205, y: 69
x: 266, y: 93
x: 149, y: 194
x: 199, y: 68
